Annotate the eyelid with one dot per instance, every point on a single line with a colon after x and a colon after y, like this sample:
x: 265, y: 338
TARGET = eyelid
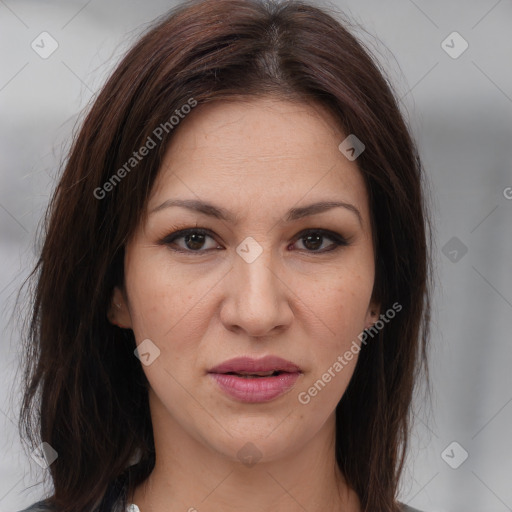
x: 179, y: 232
x: 326, y: 233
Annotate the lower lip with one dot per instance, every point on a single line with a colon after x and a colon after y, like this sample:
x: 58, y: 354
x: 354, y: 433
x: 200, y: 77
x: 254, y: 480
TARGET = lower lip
x: 255, y: 389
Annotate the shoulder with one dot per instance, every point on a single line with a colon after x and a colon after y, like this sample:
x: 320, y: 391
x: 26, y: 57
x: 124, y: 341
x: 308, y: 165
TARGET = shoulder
x: 406, y: 508
x: 39, y: 506
x: 113, y: 500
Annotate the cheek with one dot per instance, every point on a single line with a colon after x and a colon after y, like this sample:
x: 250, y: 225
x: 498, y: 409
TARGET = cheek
x: 167, y: 304
x: 343, y: 304
x: 172, y: 302
x: 342, y: 307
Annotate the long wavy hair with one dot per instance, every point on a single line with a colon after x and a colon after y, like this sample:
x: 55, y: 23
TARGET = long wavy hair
x: 85, y: 394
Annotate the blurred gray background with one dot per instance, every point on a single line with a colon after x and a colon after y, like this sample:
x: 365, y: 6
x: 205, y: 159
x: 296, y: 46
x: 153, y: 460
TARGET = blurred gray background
x: 458, y: 102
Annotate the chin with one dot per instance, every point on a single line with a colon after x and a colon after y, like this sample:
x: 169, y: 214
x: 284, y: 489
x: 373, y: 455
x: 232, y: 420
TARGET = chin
x: 254, y: 441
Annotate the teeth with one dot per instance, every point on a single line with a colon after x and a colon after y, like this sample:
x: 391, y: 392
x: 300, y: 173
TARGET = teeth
x: 257, y: 374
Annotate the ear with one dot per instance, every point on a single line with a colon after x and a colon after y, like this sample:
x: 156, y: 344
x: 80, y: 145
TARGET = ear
x: 118, y: 313
x: 372, y: 314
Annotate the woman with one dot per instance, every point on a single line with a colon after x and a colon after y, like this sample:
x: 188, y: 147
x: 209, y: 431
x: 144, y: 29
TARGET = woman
x: 232, y: 297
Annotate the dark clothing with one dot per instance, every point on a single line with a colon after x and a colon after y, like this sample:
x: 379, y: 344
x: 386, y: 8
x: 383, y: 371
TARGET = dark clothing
x: 115, y: 501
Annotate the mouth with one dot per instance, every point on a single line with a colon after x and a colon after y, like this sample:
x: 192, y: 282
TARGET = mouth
x: 246, y: 375
x: 263, y: 367
x: 255, y: 380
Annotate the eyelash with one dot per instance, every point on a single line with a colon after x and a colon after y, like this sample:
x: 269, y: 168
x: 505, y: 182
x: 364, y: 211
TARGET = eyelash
x: 338, y: 240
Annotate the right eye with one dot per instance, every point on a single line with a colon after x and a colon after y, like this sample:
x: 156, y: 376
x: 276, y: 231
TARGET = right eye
x: 193, y: 240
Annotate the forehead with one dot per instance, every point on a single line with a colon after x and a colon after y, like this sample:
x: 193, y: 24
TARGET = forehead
x: 257, y: 128
x: 259, y: 152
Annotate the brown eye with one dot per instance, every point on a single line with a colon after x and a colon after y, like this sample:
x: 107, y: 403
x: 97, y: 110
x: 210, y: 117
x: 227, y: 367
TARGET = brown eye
x: 314, y: 239
x: 193, y: 240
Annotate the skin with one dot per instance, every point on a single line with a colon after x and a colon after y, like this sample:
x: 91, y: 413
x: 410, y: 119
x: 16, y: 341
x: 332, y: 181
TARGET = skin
x: 256, y: 158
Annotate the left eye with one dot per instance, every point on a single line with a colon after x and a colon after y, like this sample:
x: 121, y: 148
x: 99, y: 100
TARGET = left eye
x: 312, y: 240
x: 194, y: 240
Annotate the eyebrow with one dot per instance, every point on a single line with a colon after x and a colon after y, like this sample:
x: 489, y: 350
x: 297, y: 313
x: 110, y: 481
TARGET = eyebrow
x: 223, y: 214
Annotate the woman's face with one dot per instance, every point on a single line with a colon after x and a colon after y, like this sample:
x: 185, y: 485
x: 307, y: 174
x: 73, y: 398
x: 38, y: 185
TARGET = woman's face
x: 254, y: 283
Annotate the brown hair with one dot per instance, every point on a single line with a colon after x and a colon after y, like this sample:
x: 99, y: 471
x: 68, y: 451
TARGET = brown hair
x: 93, y: 407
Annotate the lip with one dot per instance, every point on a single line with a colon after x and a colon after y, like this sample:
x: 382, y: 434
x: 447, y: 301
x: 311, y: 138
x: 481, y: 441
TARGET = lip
x: 249, y: 364
x: 255, y: 389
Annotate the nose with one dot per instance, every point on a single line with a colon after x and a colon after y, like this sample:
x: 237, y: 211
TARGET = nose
x: 257, y: 298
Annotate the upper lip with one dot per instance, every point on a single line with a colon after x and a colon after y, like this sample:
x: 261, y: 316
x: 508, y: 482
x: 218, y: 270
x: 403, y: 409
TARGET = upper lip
x: 249, y: 364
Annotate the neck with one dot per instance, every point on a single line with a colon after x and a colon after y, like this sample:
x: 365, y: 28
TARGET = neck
x: 188, y: 476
